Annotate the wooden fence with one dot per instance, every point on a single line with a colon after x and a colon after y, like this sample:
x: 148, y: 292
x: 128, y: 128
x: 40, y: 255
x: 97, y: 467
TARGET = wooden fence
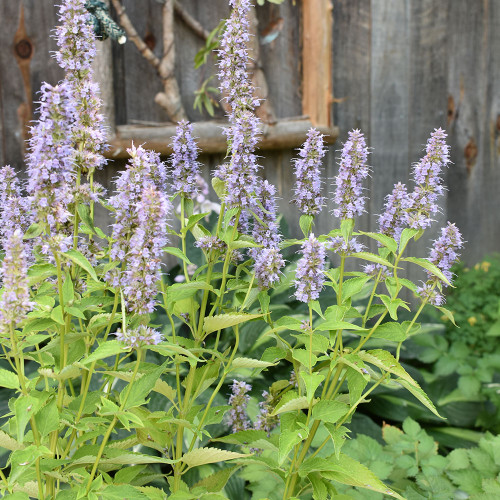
x: 400, y: 68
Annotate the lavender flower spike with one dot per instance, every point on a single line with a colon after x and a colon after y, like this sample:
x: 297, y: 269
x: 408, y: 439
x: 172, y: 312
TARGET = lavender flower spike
x: 307, y: 172
x: 14, y: 303
x: 309, y: 275
x: 139, y: 281
x: 353, y: 169
x: 443, y: 255
x: 235, y: 83
x: 185, y: 167
x: 238, y: 419
x: 50, y: 166
x: 393, y: 220
x: 14, y: 209
x: 426, y: 175
x: 142, y: 335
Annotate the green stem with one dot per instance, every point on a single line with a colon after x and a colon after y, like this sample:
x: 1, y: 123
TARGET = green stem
x: 370, y: 300
x: 113, y: 423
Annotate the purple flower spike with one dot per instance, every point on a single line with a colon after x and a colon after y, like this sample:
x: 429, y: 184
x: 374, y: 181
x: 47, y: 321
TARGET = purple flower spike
x: 266, y: 231
x: 140, y: 278
x: 309, y: 275
x: 15, y: 210
x: 268, y: 265
x: 393, y: 220
x: 144, y: 169
x: 141, y: 336
x: 50, y: 160
x: 443, y: 255
x: 353, y: 169
x: 265, y: 421
x: 427, y: 177
x: 15, y: 301
x: 235, y: 83
x: 241, y: 176
x: 75, y: 37
x: 238, y: 419
x: 307, y: 172
x: 185, y: 167
x: 337, y: 244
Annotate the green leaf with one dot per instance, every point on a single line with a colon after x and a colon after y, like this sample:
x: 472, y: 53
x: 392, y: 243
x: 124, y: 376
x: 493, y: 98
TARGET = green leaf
x: 67, y: 289
x: 141, y: 387
x: 305, y: 223
x: 121, y: 492
x: 372, y: 258
x: 177, y: 252
x: 297, y: 403
x: 329, y: 325
x: 81, y: 260
x: 406, y: 236
x: 353, y: 286
x: 346, y: 470
x: 346, y: 228
x: 429, y: 266
x: 312, y: 382
x: 21, y: 460
x: 356, y: 383
x: 221, y: 321
x: 242, y: 437
x: 25, y: 407
x: 387, y: 362
x: 215, y: 482
x: 385, y: 240
x: 287, y: 440
x: 250, y: 363
x: 390, y: 331
x: 47, y: 419
x: 338, y: 435
x: 57, y: 315
x: 201, y: 456
x: 219, y: 187
x: 448, y: 314
x: 304, y: 357
x: 181, y: 291
x: 420, y: 395
x: 105, y: 350
x: 329, y: 411
x: 8, y: 442
x: 38, y: 325
x: 33, y: 231
x: 8, y: 379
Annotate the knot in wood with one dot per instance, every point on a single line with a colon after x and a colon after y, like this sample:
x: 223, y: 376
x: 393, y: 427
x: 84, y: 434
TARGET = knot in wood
x: 24, y: 49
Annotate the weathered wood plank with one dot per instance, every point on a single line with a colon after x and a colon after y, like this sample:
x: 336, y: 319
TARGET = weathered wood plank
x: 352, y: 86
x: 427, y: 99
x: 474, y: 179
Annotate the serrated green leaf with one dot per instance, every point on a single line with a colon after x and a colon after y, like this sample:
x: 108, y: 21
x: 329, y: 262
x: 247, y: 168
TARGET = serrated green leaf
x: 141, y: 387
x: 201, y: 456
x: 250, y: 363
x: 297, y: 403
x: 246, y: 438
x: 287, y: 440
x: 312, y: 382
x: 8, y: 379
x: 387, y: 241
x: 329, y: 411
x: 82, y: 261
x: 371, y: 257
x: 221, y: 321
x: 121, y: 492
x: 305, y: 223
x: 215, y: 482
x: 8, y: 442
x: 177, y: 252
x: 353, y: 286
x: 181, y: 291
x: 429, y: 266
x: 406, y: 236
x: 390, y: 331
x: 338, y: 435
x: 57, y: 315
x: 105, y: 350
x: 420, y: 395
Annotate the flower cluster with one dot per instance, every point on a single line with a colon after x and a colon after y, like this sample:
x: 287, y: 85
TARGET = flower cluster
x: 142, y: 272
x: 353, y: 169
x: 14, y: 208
x: 268, y: 265
x: 238, y: 419
x: 235, y: 84
x: 76, y: 42
x: 144, y: 169
x: 265, y: 421
x: 443, y: 255
x: 309, y: 277
x: 185, y: 167
x: 338, y: 244
x: 427, y: 177
x: 142, y: 335
x: 15, y: 301
x: 211, y: 244
x: 307, y: 172
x: 50, y: 165
x: 393, y: 220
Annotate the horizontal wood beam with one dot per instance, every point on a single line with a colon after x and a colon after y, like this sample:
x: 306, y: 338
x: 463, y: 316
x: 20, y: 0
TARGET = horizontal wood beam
x: 284, y: 134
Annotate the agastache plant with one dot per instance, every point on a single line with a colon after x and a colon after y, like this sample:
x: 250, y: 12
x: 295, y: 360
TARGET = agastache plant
x: 116, y: 372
